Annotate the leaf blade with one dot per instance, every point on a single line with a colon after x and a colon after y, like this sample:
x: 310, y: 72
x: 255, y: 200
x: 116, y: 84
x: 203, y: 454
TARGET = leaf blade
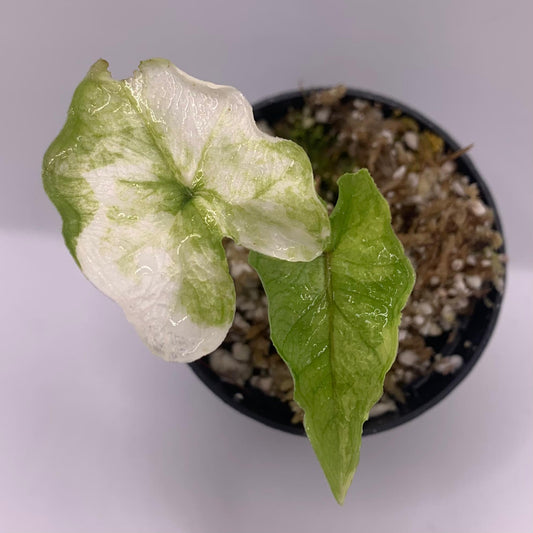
x: 349, y: 339
x: 136, y: 179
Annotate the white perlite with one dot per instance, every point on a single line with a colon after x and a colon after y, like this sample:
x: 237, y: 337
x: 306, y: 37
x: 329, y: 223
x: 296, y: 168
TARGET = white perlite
x: 448, y: 364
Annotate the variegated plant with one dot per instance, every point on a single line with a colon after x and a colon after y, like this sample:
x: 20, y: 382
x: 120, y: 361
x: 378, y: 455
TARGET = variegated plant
x: 150, y: 174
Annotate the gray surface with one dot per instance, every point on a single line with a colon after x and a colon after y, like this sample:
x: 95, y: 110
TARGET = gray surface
x: 462, y: 63
x: 98, y: 435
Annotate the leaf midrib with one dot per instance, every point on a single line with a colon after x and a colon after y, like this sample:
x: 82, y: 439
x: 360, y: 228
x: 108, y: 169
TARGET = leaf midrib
x: 164, y: 152
x: 331, y: 328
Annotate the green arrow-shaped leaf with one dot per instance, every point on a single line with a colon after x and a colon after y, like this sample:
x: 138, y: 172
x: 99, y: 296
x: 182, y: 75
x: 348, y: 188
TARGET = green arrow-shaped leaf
x: 150, y: 173
x: 335, y: 322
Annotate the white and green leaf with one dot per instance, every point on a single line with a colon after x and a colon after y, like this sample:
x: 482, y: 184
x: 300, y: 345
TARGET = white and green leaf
x: 335, y: 321
x: 150, y: 173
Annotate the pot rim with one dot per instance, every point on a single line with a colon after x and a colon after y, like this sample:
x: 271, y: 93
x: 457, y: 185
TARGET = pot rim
x: 260, y: 407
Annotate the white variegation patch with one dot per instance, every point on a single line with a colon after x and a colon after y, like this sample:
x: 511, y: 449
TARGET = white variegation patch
x: 147, y: 294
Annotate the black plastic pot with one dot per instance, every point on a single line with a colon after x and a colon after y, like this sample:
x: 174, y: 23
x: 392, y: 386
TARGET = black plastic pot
x: 473, y: 332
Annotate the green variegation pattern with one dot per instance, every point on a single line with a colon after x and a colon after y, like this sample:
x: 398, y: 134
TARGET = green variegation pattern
x: 150, y: 173
x: 335, y: 322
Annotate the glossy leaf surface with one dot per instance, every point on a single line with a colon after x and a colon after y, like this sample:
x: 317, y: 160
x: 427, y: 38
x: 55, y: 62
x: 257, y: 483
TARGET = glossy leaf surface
x: 335, y: 321
x: 150, y: 173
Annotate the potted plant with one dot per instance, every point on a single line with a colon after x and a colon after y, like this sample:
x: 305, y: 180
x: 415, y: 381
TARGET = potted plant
x: 150, y: 174
x: 439, y: 202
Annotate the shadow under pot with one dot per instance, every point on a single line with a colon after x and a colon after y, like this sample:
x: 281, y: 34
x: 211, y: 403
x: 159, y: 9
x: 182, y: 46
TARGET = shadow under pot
x: 443, y: 213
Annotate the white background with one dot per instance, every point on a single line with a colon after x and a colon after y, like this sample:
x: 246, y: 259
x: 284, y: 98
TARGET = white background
x: 97, y: 435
